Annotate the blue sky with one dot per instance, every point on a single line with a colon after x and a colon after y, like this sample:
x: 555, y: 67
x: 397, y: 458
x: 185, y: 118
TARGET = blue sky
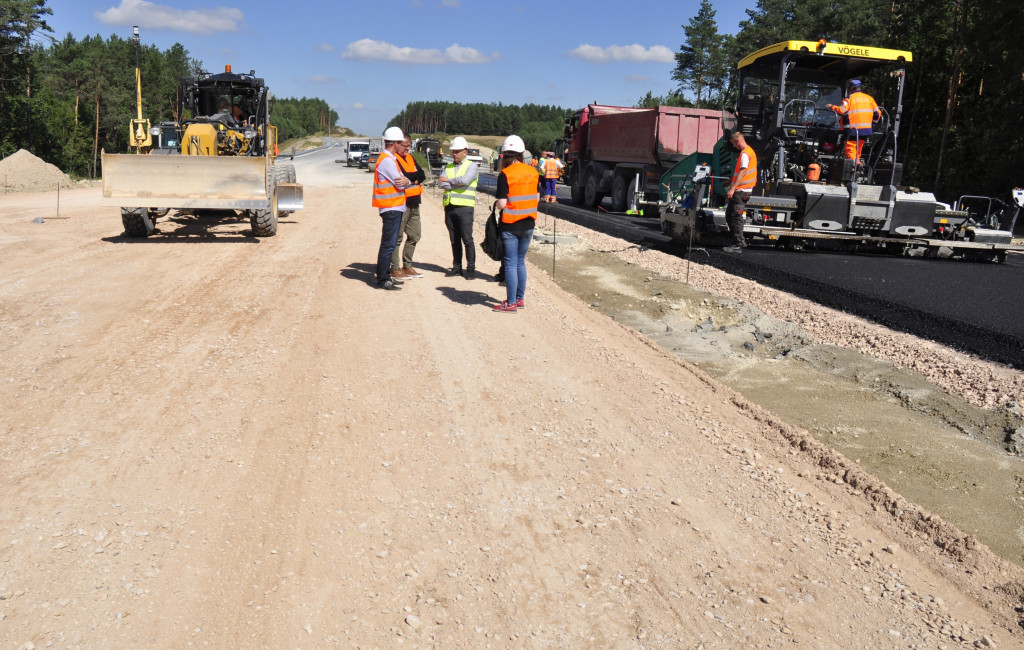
x: 369, y: 59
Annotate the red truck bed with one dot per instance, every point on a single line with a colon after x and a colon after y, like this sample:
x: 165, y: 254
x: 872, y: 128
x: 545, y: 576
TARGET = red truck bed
x: 658, y: 136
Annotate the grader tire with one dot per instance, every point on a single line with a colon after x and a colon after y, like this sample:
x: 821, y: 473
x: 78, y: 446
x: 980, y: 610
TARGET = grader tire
x: 264, y: 221
x: 283, y: 173
x: 136, y: 222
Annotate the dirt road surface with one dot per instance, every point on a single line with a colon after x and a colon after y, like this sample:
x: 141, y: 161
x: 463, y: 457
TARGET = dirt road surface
x: 211, y: 440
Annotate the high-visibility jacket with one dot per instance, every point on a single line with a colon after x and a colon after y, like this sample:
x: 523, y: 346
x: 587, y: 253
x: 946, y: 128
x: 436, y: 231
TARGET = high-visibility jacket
x: 408, y: 164
x: 749, y: 178
x: 859, y: 109
x: 550, y: 168
x: 465, y: 195
x: 522, y: 198
x: 385, y: 193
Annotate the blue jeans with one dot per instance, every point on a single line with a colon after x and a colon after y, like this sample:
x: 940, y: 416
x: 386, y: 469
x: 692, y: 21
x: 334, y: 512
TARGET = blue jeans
x: 549, y: 186
x: 391, y: 223
x: 515, y: 263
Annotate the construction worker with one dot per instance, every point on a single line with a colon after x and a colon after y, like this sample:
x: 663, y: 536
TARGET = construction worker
x: 389, y: 185
x: 401, y: 259
x: 516, y: 194
x: 860, y: 110
x: 552, y: 167
x: 744, y: 178
x: 459, y: 180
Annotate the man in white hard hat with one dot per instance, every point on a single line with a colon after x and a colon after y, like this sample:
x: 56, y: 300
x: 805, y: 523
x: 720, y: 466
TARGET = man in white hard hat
x: 459, y: 182
x: 389, y: 185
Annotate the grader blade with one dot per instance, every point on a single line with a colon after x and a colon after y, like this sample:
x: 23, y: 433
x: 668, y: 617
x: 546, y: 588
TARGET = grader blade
x: 185, y: 182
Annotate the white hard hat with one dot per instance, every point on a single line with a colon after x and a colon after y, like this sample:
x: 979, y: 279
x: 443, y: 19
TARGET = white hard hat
x: 513, y: 144
x: 458, y: 143
x: 393, y: 134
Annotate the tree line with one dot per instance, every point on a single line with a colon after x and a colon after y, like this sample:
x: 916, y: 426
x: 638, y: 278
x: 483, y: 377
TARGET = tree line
x: 65, y: 100
x: 962, y: 129
x: 537, y: 125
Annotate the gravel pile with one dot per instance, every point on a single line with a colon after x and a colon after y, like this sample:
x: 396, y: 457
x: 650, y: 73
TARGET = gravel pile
x: 982, y: 383
x: 24, y: 172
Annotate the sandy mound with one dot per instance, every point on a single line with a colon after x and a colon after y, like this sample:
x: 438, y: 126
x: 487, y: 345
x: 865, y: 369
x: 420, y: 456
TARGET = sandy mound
x: 24, y: 172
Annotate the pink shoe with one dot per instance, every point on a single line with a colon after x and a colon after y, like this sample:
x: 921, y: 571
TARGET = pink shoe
x: 505, y: 307
x: 520, y: 304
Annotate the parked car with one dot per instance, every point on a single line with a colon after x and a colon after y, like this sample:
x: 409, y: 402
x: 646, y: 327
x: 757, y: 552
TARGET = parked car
x: 371, y: 160
x: 364, y: 160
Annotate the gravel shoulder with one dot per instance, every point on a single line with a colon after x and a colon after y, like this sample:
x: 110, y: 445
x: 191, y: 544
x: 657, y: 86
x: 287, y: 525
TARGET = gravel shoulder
x: 216, y: 440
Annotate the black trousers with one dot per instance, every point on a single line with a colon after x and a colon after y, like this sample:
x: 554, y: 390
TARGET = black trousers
x: 459, y: 219
x: 734, y: 215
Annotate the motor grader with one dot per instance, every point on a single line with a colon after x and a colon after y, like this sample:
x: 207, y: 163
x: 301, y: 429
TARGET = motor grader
x: 225, y: 160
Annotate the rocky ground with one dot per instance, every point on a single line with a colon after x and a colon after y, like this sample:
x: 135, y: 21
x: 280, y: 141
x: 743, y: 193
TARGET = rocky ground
x: 213, y: 440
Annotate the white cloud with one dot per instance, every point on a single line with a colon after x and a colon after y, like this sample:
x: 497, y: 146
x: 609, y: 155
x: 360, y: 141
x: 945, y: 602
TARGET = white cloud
x: 326, y: 79
x: 359, y: 106
x: 369, y: 50
x: 635, y: 53
x: 159, y: 17
x: 323, y: 47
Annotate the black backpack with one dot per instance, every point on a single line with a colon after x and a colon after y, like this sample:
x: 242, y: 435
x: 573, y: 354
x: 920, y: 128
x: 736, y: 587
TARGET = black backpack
x: 492, y: 245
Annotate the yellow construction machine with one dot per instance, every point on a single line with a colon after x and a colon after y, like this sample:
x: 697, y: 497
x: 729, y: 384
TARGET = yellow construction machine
x: 225, y: 159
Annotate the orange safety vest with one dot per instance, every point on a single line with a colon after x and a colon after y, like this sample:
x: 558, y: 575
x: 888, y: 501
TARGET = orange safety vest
x: 385, y: 193
x: 522, y: 198
x: 749, y: 178
x: 860, y: 109
x: 551, y: 168
x: 408, y: 164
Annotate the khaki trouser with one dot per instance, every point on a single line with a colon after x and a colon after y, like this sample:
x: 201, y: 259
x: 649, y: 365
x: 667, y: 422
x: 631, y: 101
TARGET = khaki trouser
x: 402, y: 257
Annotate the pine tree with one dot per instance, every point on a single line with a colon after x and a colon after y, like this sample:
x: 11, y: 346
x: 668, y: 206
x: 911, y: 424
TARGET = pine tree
x: 701, y: 63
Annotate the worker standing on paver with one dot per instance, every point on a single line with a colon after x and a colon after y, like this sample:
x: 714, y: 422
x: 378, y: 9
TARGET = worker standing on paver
x: 860, y: 110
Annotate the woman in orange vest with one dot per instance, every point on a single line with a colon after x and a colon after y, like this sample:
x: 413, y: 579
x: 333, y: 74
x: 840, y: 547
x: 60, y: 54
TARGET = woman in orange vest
x: 860, y: 110
x: 518, y: 200
x: 744, y: 178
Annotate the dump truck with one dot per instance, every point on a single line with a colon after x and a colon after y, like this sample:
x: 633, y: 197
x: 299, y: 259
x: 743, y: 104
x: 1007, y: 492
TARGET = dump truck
x: 808, y: 192
x: 623, y: 152
x: 224, y: 160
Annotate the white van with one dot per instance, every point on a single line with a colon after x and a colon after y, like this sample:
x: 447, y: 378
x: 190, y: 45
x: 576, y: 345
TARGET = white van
x: 355, y: 149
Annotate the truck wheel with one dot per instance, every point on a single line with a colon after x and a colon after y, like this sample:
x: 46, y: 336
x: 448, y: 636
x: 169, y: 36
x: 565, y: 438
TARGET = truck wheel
x: 619, y: 193
x: 264, y: 222
x: 576, y: 192
x: 136, y: 222
x: 591, y: 197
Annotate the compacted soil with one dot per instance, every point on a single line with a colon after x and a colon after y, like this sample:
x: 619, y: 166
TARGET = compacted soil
x: 212, y: 440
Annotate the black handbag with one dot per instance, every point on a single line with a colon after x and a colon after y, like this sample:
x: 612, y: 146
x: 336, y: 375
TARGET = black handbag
x: 492, y: 245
